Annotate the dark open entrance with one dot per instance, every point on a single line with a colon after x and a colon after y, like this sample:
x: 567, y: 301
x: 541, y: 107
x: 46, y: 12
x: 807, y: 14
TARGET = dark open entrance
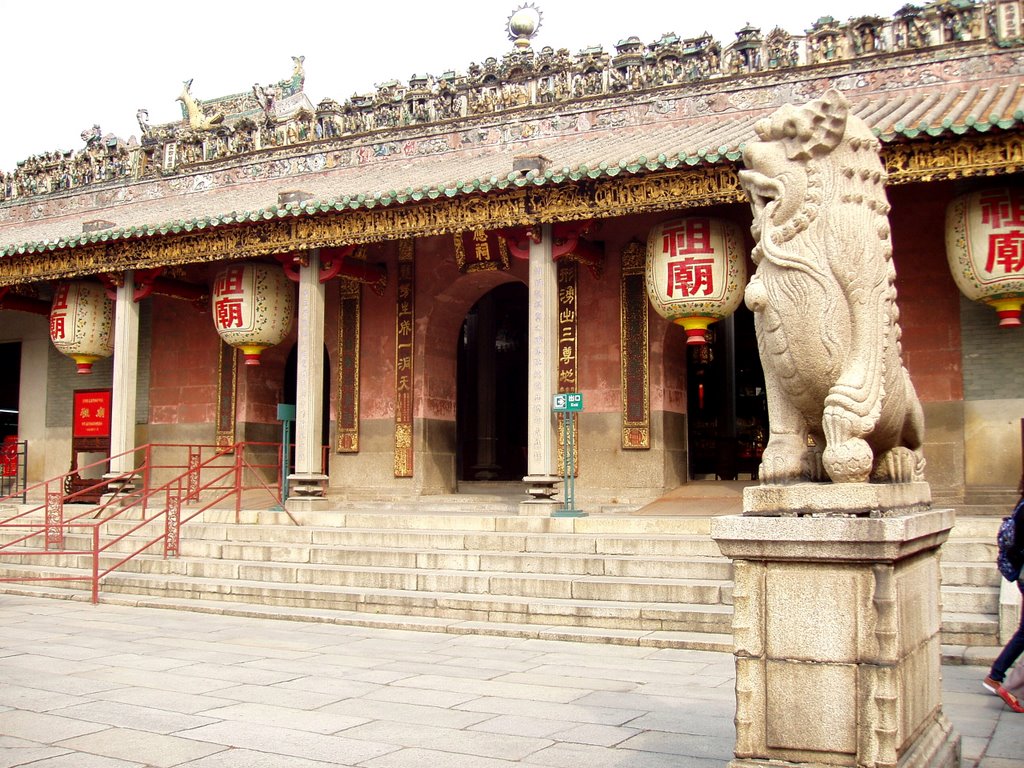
x: 290, y: 387
x: 10, y: 390
x: 726, y: 403
x: 492, y: 382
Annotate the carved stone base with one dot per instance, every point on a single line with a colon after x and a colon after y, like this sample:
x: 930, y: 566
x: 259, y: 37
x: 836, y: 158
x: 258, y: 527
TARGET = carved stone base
x: 541, y: 490
x: 836, y: 635
x: 307, y: 485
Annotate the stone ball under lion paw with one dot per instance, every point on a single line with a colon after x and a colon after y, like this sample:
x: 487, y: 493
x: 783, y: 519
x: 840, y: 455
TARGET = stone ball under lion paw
x: 848, y: 462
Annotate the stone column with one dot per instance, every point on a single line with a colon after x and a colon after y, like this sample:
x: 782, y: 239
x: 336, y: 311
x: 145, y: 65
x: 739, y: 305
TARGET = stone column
x: 836, y: 626
x: 125, y: 377
x: 543, y: 349
x: 307, y: 485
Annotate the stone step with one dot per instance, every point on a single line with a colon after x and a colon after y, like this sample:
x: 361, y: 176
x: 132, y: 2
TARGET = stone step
x: 969, y: 574
x: 708, y: 641
x: 609, y: 614
x: 974, y: 550
x: 974, y: 527
x: 971, y: 629
x: 966, y: 599
x: 479, y: 581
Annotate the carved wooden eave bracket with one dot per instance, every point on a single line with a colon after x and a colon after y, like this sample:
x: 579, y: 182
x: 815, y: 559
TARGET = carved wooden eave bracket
x: 596, y: 196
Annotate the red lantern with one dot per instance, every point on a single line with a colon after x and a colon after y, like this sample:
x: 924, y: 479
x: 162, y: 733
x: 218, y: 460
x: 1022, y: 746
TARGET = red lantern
x: 985, y: 249
x: 253, y: 307
x: 82, y: 323
x: 696, y: 271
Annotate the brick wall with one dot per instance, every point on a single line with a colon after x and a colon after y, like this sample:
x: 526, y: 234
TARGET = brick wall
x: 993, y: 357
x: 63, y: 378
x: 927, y: 296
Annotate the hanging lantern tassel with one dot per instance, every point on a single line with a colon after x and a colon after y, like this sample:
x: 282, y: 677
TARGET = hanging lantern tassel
x: 1008, y: 311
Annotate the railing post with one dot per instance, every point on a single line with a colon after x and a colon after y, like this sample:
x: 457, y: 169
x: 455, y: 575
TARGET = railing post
x: 172, y: 524
x: 95, y: 563
x: 55, y: 519
x: 239, y: 447
x: 194, y: 460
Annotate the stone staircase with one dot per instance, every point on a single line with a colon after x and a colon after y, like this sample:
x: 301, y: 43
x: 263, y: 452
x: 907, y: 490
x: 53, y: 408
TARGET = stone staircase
x: 634, y: 580
x: 656, y: 581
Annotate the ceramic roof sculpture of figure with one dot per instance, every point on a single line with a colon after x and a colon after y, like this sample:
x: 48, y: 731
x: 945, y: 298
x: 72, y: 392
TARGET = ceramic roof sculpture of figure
x: 824, y: 301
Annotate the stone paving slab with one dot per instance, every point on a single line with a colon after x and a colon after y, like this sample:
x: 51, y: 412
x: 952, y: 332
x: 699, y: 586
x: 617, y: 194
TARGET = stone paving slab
x: 114, y: 686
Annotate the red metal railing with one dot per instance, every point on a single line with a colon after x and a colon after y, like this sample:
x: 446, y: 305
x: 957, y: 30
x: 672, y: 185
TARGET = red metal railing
x: 200, y: 476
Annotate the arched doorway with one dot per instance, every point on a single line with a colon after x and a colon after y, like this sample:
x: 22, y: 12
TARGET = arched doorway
x: 491, y: 408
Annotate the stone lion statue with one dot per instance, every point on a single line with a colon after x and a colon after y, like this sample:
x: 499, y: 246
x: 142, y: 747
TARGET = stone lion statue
x: 824, y: 301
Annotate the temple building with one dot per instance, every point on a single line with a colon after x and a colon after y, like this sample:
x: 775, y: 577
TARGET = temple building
x: 421, y: 269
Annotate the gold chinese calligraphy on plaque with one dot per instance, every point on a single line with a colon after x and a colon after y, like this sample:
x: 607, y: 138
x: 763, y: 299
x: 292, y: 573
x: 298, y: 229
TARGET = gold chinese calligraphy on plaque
x: 404, y: 337
x: 227, y: 386
x: 349, y: 315
x: 568, y: 273
x: 633, y: 346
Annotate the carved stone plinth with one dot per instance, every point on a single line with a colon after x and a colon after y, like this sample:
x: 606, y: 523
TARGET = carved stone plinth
x: 306, y: 485
x: 836, y: 633
x: 541, y: 489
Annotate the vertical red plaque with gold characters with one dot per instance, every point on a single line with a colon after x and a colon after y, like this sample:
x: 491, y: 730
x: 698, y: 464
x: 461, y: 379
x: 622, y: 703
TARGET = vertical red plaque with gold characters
x: 568, y: 274
x: 404, y: 378
x: 633, y: 341
x: 349, y: 312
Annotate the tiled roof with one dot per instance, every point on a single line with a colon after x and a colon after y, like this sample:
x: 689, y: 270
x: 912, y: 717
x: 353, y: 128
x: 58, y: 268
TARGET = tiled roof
x: 588, y: 151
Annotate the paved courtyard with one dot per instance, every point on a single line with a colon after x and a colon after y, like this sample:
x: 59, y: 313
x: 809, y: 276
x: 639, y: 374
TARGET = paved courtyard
x: 108, y: 686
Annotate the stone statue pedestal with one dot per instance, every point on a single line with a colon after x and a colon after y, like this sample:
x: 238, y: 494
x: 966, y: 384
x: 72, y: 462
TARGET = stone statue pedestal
x: 836, y: 627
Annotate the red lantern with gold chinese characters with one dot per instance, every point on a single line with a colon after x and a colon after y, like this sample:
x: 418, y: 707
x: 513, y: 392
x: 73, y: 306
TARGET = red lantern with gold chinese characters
x: 985, y: 249
x: 696, y: 271
x: 82, y: 323
x: 253, y: 307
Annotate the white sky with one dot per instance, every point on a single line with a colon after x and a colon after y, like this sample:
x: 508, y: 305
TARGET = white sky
x: 71, y: 64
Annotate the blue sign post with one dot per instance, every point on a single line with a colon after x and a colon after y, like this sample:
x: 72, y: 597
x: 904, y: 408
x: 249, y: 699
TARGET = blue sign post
x: 286, y: 415
x: 569, y: 404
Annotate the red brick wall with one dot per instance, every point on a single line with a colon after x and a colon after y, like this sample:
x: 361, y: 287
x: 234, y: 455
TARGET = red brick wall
x: 928, y: 298
x: 183, y: 372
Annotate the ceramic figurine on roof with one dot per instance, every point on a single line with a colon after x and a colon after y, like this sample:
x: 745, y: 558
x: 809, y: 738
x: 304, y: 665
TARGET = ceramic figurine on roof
x: 824, y: 301
x: 193, y: 111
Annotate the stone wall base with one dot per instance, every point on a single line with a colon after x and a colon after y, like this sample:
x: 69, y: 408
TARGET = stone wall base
x: 937, y: 747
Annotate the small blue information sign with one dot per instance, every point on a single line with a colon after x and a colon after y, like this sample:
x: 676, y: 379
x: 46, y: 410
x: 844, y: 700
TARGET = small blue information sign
x: 568, y: 401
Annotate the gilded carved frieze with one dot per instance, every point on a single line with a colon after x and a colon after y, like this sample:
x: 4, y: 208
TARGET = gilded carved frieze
x: 623, y: 195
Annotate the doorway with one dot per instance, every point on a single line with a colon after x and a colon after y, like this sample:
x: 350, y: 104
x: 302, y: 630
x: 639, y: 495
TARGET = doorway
x: 726, y: 401
x: 10, y: 387
x: 491, y: 410
x: 289, y: 389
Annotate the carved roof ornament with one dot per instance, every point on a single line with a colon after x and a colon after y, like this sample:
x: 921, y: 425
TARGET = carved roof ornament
x: 523, y: 25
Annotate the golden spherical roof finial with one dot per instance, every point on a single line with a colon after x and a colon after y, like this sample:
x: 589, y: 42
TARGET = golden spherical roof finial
x: 523, y: 24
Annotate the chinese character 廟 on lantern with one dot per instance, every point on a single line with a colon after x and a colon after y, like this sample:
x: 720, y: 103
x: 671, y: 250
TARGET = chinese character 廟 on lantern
x: 985, y: 249
x: 82, y: 323
x: 696, y: 271
x: 253, y: 307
